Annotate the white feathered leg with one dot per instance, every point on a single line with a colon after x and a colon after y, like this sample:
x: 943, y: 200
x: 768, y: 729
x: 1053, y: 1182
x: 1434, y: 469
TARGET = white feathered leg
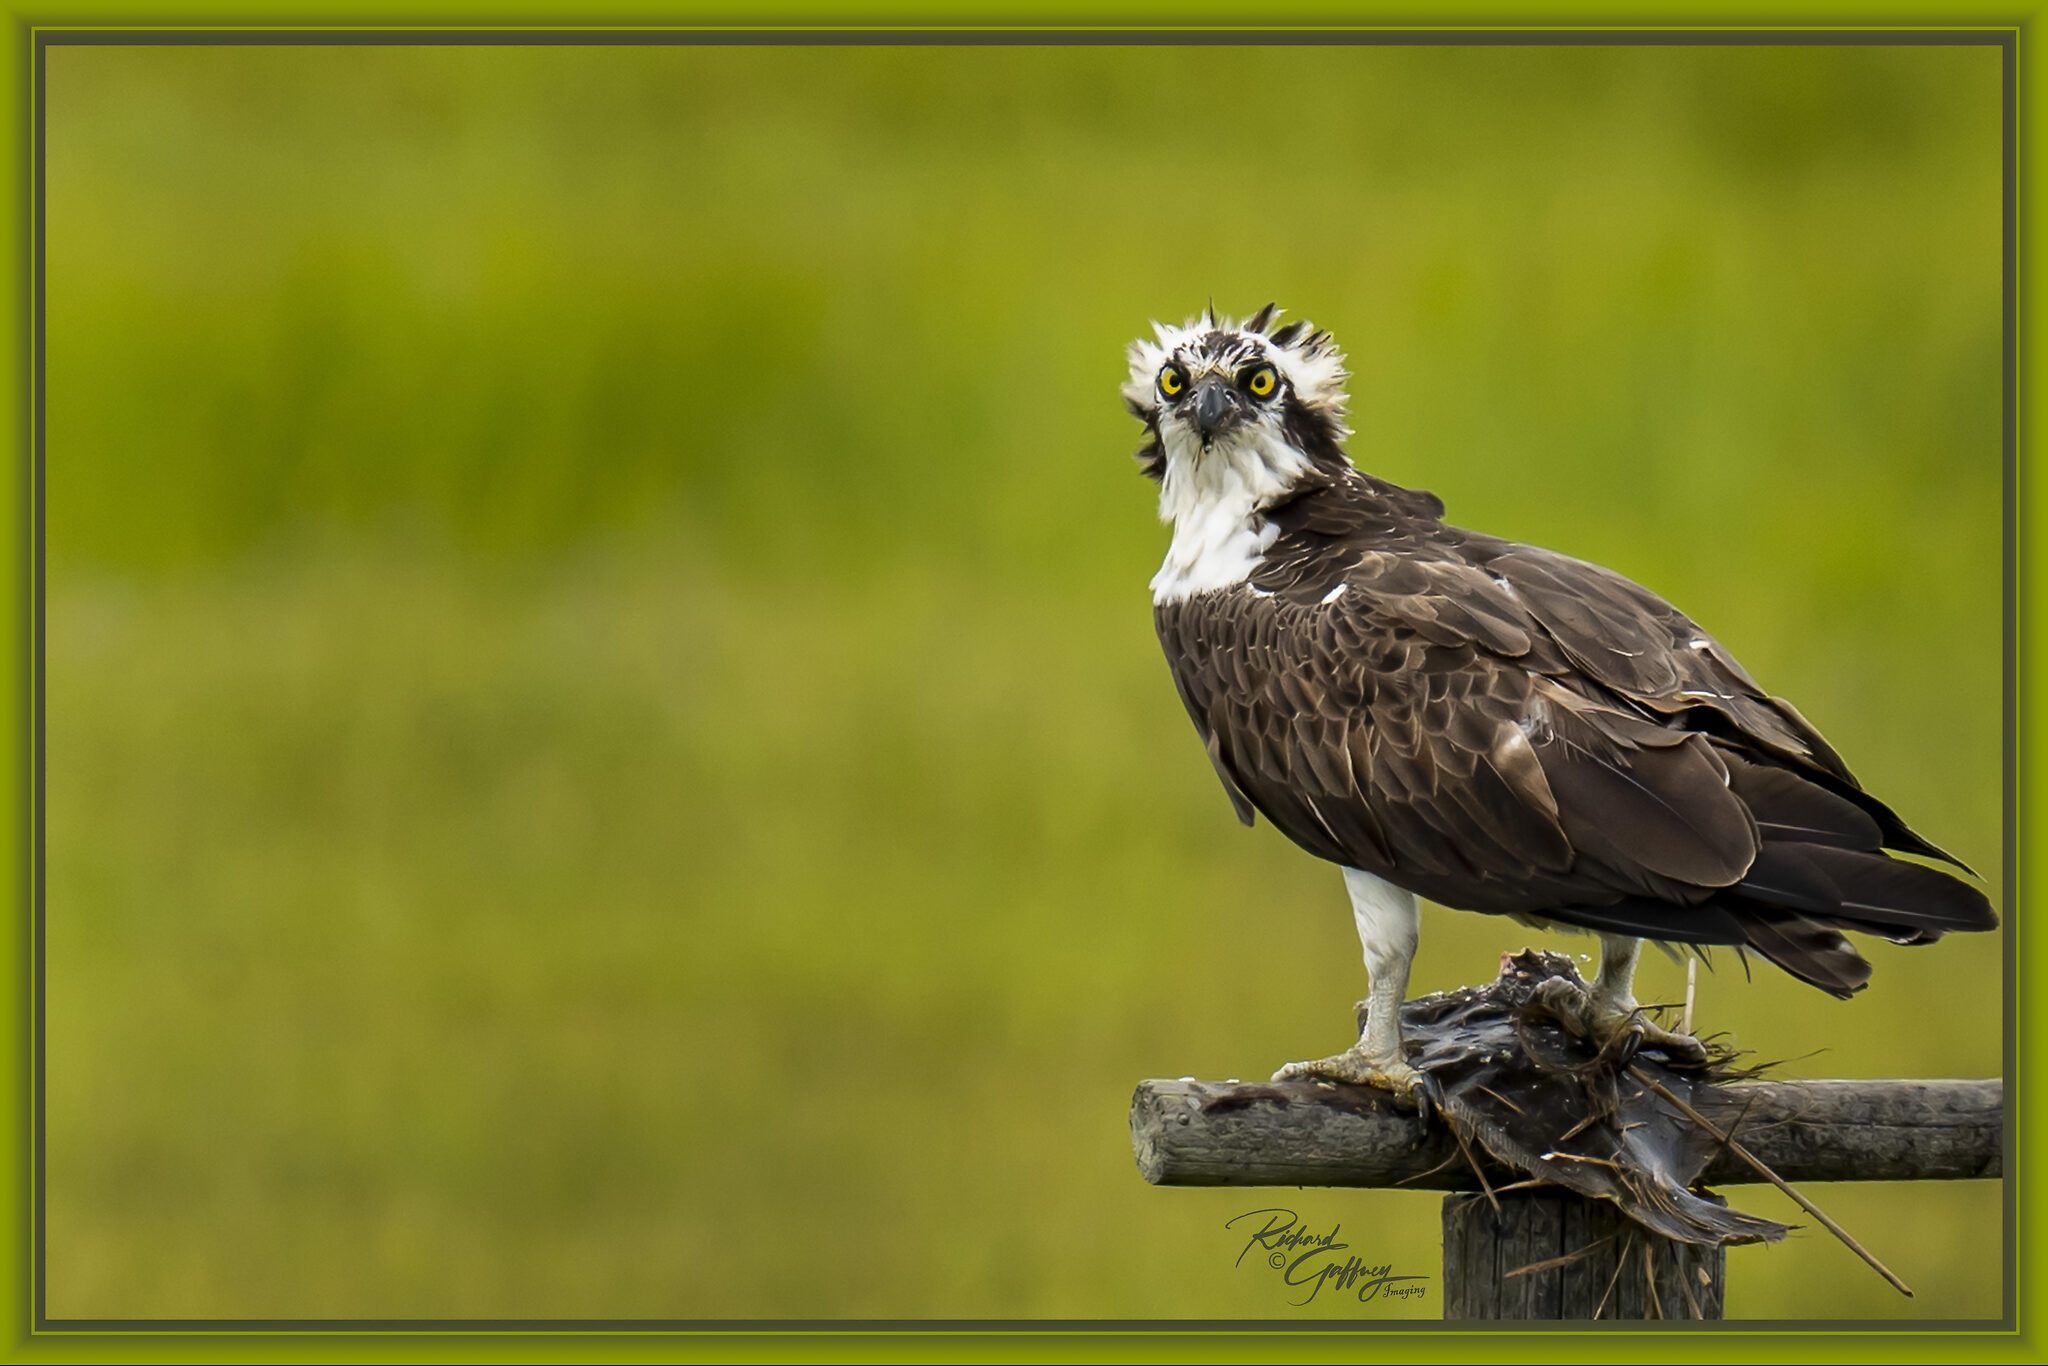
x: 1389, y: 924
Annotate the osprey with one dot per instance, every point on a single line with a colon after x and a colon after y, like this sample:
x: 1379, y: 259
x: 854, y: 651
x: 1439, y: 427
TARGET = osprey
x: 1493, y: 726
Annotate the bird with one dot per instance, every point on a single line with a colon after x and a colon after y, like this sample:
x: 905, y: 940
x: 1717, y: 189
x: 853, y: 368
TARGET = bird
x: 1488, y: 725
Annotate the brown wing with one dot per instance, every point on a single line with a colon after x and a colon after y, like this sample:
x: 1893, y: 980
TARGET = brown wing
x: 1618, y: 634
x: 1490, y: 741
x: 1410, y: 728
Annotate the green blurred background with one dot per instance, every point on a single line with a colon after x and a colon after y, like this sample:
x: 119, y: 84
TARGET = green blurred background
x: 606, y: 751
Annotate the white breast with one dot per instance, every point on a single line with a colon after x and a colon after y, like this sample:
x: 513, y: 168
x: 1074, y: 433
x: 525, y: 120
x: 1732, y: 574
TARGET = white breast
x: 1213, y: 548
x: 1213, y: 499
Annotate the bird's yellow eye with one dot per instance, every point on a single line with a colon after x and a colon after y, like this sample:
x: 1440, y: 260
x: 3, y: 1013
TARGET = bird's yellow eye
x: 1262, y: 382
x: 1172, y: 381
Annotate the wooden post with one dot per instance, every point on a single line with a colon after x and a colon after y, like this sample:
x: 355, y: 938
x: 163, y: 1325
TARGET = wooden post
x: 1548, y: 1254
x: 1193, y: 1133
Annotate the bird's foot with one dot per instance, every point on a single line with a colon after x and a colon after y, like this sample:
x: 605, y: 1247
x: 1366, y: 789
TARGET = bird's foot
x: 1604, y: 1021
x: 1356, y: 1065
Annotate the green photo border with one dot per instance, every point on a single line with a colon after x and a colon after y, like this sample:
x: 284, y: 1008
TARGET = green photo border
x: 27, y: 28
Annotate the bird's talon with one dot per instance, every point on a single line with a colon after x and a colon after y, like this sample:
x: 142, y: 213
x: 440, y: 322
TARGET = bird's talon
x: 1578, y: 1008
x: 1681, y: 1048
x: 1359, y: 1068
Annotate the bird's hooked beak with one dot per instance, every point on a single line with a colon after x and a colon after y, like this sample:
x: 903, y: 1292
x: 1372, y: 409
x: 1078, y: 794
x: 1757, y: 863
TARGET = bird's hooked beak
x: 1215, y: 406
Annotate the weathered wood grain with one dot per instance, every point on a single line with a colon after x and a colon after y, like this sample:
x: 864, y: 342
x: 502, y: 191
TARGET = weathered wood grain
x: 1576, y: 1259
x: 1195, y: 1133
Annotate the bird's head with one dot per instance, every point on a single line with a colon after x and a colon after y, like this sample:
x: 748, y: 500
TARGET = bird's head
x: 1222, y: 391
